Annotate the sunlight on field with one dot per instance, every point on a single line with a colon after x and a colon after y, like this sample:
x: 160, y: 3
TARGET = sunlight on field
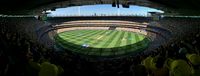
x: 99, y: 37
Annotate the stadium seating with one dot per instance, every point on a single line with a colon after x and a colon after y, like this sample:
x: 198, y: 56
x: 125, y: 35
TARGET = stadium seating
x: 19, y: 47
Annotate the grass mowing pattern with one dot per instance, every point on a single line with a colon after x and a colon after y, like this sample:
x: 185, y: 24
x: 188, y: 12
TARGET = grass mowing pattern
x: 102, y: 42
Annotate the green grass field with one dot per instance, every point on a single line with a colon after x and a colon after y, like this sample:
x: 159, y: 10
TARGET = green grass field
x: 102, y: 42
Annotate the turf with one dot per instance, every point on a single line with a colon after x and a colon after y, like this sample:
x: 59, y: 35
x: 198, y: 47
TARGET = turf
x: 102, y: 42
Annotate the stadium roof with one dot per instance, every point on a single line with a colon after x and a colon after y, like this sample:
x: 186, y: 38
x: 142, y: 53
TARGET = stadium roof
x: 181, y: 7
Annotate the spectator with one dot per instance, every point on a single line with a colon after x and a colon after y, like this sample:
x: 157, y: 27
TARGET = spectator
x: 180, y: 68
x: 195, y: 61
x: 161, y: 70
x: 48, y: 69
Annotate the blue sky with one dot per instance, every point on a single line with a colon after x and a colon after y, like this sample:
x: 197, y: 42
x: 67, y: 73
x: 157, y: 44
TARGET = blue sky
x: 105, y: 9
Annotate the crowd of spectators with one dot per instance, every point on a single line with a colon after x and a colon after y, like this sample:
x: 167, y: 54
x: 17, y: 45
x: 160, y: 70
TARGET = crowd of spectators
x: 20, y: 55
x: 180, y: 26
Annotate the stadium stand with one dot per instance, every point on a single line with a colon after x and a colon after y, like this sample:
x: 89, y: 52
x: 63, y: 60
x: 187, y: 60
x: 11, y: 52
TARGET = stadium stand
x: 23, y: 56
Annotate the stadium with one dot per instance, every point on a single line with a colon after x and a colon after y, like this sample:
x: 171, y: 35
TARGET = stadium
x: 106, y: 38
x: 102, y: 40
x: 99, y: 38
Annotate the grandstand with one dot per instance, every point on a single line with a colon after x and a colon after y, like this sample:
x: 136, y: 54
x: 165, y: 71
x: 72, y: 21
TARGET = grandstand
x: 98, y: 44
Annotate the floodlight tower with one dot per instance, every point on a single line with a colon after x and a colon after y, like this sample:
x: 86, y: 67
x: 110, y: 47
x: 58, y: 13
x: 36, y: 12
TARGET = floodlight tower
x: 79, y: 10
x: 118, y: 12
